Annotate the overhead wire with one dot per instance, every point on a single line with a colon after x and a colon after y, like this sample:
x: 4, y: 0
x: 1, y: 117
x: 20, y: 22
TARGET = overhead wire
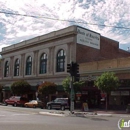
x: 80, y: 22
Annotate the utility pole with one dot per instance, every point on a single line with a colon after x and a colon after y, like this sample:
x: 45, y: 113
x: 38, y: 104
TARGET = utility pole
x: 73, y: 69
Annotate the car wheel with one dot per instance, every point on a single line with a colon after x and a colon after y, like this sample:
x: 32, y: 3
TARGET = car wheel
x: 49, y: 107
x: 6, y: 103
x: 15, y: 104
x: 34, y: 106
x: 41, y: 107
x: 26, y: 105
x: 62, y: 108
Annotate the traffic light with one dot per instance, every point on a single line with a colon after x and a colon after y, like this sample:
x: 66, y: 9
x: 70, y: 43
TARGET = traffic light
x: 69, y: 68
x: 76, y: 69
x: 77, y: 78
x: 75, y: 72
x: 73, y: 69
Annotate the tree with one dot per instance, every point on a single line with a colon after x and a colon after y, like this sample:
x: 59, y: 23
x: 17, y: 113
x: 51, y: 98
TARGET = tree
x: 107, y: 82
x: 47, y: 88
x: 66, y: 85
x: 76, y: 85
x: 20, y: 87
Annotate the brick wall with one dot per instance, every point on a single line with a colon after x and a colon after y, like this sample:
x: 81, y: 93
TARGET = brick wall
x: 109, y: 49
x: 105, y: 64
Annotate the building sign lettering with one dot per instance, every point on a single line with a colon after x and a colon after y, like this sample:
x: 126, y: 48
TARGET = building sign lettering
x: 88, y: 38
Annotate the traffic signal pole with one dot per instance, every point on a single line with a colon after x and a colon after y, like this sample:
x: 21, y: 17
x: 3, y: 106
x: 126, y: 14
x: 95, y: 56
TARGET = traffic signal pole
x: 73, y: 69
x: 72, y: 96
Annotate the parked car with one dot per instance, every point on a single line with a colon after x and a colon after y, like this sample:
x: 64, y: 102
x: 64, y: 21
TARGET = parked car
x: 58, y: 103
x: 16, y: 101
x: 34, y: 104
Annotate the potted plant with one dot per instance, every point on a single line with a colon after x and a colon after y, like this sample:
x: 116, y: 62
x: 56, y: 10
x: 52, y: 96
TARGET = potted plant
x: 128, y: 108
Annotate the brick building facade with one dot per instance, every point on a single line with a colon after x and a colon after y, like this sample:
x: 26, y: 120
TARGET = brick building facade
x: 45, y: 57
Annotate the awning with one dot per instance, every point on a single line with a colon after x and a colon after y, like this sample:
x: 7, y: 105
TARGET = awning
x: 6, y: 88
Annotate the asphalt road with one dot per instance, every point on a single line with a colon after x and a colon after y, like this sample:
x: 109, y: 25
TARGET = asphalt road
x: 16, y: 118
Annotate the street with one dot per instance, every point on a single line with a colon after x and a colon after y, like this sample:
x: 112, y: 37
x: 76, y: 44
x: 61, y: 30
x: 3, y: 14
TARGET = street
x: 20, y: 118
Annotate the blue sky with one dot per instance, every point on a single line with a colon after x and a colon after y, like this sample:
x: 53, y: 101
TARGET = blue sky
x: 15, y: 29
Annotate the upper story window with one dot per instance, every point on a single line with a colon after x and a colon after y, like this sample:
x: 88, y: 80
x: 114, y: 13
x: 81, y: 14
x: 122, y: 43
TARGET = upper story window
x: 43, y: 64
x: 60, y: 65
x: 6, y: 73
x: 16, y: 67
x: 29, y: 66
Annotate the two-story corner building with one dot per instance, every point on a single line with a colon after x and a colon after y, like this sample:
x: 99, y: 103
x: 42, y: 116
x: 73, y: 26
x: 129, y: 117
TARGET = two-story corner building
x: 44, y: 58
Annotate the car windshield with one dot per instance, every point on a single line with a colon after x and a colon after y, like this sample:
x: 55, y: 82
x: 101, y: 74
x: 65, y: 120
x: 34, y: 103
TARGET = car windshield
x: 60, y: 100
x: 56, y: 100
x: 33, y: 101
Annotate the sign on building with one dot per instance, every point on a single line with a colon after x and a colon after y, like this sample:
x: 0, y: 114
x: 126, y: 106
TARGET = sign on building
x: 125, y: 93
x: 88, y: 38
x: 115, y: 93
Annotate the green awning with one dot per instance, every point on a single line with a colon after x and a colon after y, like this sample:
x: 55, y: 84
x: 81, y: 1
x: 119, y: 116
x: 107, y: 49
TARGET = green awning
x: 6, y: 88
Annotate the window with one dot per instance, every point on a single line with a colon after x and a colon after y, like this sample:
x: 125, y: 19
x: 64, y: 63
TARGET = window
x: 60, y: 65
x: 29, y: 66
x: 16, y: 67
x: 6, y: 73
x: 43, y: 63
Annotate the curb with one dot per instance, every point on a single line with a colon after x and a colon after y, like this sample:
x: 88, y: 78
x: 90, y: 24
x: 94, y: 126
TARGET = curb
x: 52, y: 113
x: 86, y: 114
x: 75, y: 114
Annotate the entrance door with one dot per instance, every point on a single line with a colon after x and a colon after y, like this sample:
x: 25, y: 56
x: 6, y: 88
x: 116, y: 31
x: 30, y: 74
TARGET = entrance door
x: 93, y: 99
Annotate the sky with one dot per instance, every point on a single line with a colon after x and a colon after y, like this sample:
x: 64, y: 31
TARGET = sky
x: 52, y: 15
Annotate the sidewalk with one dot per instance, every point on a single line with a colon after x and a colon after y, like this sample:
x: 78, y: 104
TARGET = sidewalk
x: 104, y: 111
x: 79, y: 113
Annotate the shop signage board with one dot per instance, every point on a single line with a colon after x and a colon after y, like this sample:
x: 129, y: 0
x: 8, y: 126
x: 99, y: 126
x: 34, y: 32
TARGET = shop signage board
x: 118, y: 93
x: 115, y: 93
x: 85, y: 107
x: 125, y: 93
x: 88, y: 38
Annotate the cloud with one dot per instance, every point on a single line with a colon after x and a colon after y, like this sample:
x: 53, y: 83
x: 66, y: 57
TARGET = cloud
x: 17, y: 28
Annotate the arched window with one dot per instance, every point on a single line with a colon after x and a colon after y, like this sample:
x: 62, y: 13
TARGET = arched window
x: 6, y: 73
x: 29, y: 66
x: 60, y: 65
x: 43, y: 64
x: 16, y: 67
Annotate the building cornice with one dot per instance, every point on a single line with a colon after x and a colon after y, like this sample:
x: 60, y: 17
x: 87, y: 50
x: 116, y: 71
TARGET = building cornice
x: 67, y: 32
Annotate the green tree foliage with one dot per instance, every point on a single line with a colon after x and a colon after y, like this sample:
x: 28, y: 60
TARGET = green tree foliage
x: 66, y: 84
x: 47, y: 88
x: 76, y: 85
x: 107, y: 82
x: 20, y: 87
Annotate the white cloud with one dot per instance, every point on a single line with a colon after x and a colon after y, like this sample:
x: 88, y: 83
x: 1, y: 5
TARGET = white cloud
x: 108, y: 12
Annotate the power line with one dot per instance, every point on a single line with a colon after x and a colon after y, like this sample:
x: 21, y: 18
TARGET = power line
x: 33, y: 16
